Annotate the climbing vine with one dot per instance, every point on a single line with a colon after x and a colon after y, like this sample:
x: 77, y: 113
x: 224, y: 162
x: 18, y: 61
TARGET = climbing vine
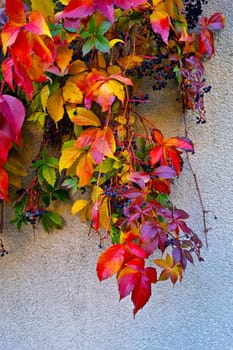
x: 73, y: 69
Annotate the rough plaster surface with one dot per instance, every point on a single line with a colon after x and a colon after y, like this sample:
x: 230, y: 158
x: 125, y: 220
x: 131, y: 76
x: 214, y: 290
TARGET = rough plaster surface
x: 50, y: 297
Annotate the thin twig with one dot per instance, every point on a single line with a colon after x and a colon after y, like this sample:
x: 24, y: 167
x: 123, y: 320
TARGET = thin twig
x: 204, y: 211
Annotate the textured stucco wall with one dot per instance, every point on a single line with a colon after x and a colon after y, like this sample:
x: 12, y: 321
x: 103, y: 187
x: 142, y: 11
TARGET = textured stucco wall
x: 50, y: 297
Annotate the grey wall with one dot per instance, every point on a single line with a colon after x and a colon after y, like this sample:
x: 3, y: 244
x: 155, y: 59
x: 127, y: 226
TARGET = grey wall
x: 50, y: 297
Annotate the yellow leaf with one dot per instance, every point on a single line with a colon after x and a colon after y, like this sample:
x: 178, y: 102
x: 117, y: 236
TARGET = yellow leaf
x: 97, y: 191
x: 68, y: 157
x: 63, y: 57
x: 64, y: 2
x: 113, y: 42
x: 84, y: 169
x: 38, y: 117
x: 72, y: 93
x: 169, y: 260
x: 174, y: 7
x: 104, y: 214
x: 131, y: 61
x: 82, y: 116
x: 44, y: 95
x: 78, y: 206
x: 55, y: 105
x: 114, y: 69
x: 117, y: 89
x: 45, y: 7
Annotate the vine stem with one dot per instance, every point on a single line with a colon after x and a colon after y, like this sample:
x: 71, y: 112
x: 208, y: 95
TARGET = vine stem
x: 196, y: 182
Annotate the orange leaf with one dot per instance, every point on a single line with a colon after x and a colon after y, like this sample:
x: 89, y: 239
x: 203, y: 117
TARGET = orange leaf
x: 84, y: 169
x: 77, y: 67
x: 130, y: 61
x: 55, y: 105
x: 41, y: 48
x: 37, y: 24
x: 63, y: 57
x: 110, y: 261
x: 103, y: 145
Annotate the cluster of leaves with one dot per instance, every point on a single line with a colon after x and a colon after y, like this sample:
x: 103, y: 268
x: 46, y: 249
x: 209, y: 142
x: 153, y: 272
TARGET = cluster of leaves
x: 75, y: 67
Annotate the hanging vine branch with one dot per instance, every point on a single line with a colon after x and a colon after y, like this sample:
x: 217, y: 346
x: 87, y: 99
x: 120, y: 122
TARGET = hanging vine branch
x: 74, y: 69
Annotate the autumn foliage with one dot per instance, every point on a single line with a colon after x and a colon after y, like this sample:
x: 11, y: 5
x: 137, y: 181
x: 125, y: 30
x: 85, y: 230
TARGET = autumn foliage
x: 73, y: 69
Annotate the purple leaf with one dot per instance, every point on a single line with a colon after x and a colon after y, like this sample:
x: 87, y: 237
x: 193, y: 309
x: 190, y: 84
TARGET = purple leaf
x: 165, y: 172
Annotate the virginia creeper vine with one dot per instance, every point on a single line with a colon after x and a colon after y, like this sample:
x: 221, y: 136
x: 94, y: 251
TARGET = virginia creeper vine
x: 74, y: 69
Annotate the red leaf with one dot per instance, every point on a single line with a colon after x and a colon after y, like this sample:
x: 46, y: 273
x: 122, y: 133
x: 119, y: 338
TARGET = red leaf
x: 95, y: 213
x: 110, y: 261
x: 206, y: 42
x: 141, y: 293
x: 167, y: 151
x: 136, y: 250
x: 5, y: 145
x: 7, y: 70
x: 151, y: 273
x: 22, y: 49
x: 77, y: 9
x: 4, y: 185
x: 180, y: 142
x: 157, y: 136
x: 126, y: 5
x: 15, y: 11
x: 127, y: 279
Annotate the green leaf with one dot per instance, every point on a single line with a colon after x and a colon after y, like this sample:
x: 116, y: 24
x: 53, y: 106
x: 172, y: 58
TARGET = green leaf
x: 85, y: 34
x: 71, y: 30
x: 51, y: 220
x: 37, y: 163
x: 44, y: 154
x: 49, y: 174
x: 92, y: 25
x: 88, y: 46
x: 61, y: 194
x: 102, y: 44
x: 40, y: 176
x: 103, y: 28
x: 52, y: 162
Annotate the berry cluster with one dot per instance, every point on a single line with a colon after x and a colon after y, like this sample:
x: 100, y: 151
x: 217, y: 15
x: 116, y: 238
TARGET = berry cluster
x: 32, y: 215
x: 2, y: 249
x: 192, y: 11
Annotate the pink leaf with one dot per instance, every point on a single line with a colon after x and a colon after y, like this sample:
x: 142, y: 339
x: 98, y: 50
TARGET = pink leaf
x: 13, y: 112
